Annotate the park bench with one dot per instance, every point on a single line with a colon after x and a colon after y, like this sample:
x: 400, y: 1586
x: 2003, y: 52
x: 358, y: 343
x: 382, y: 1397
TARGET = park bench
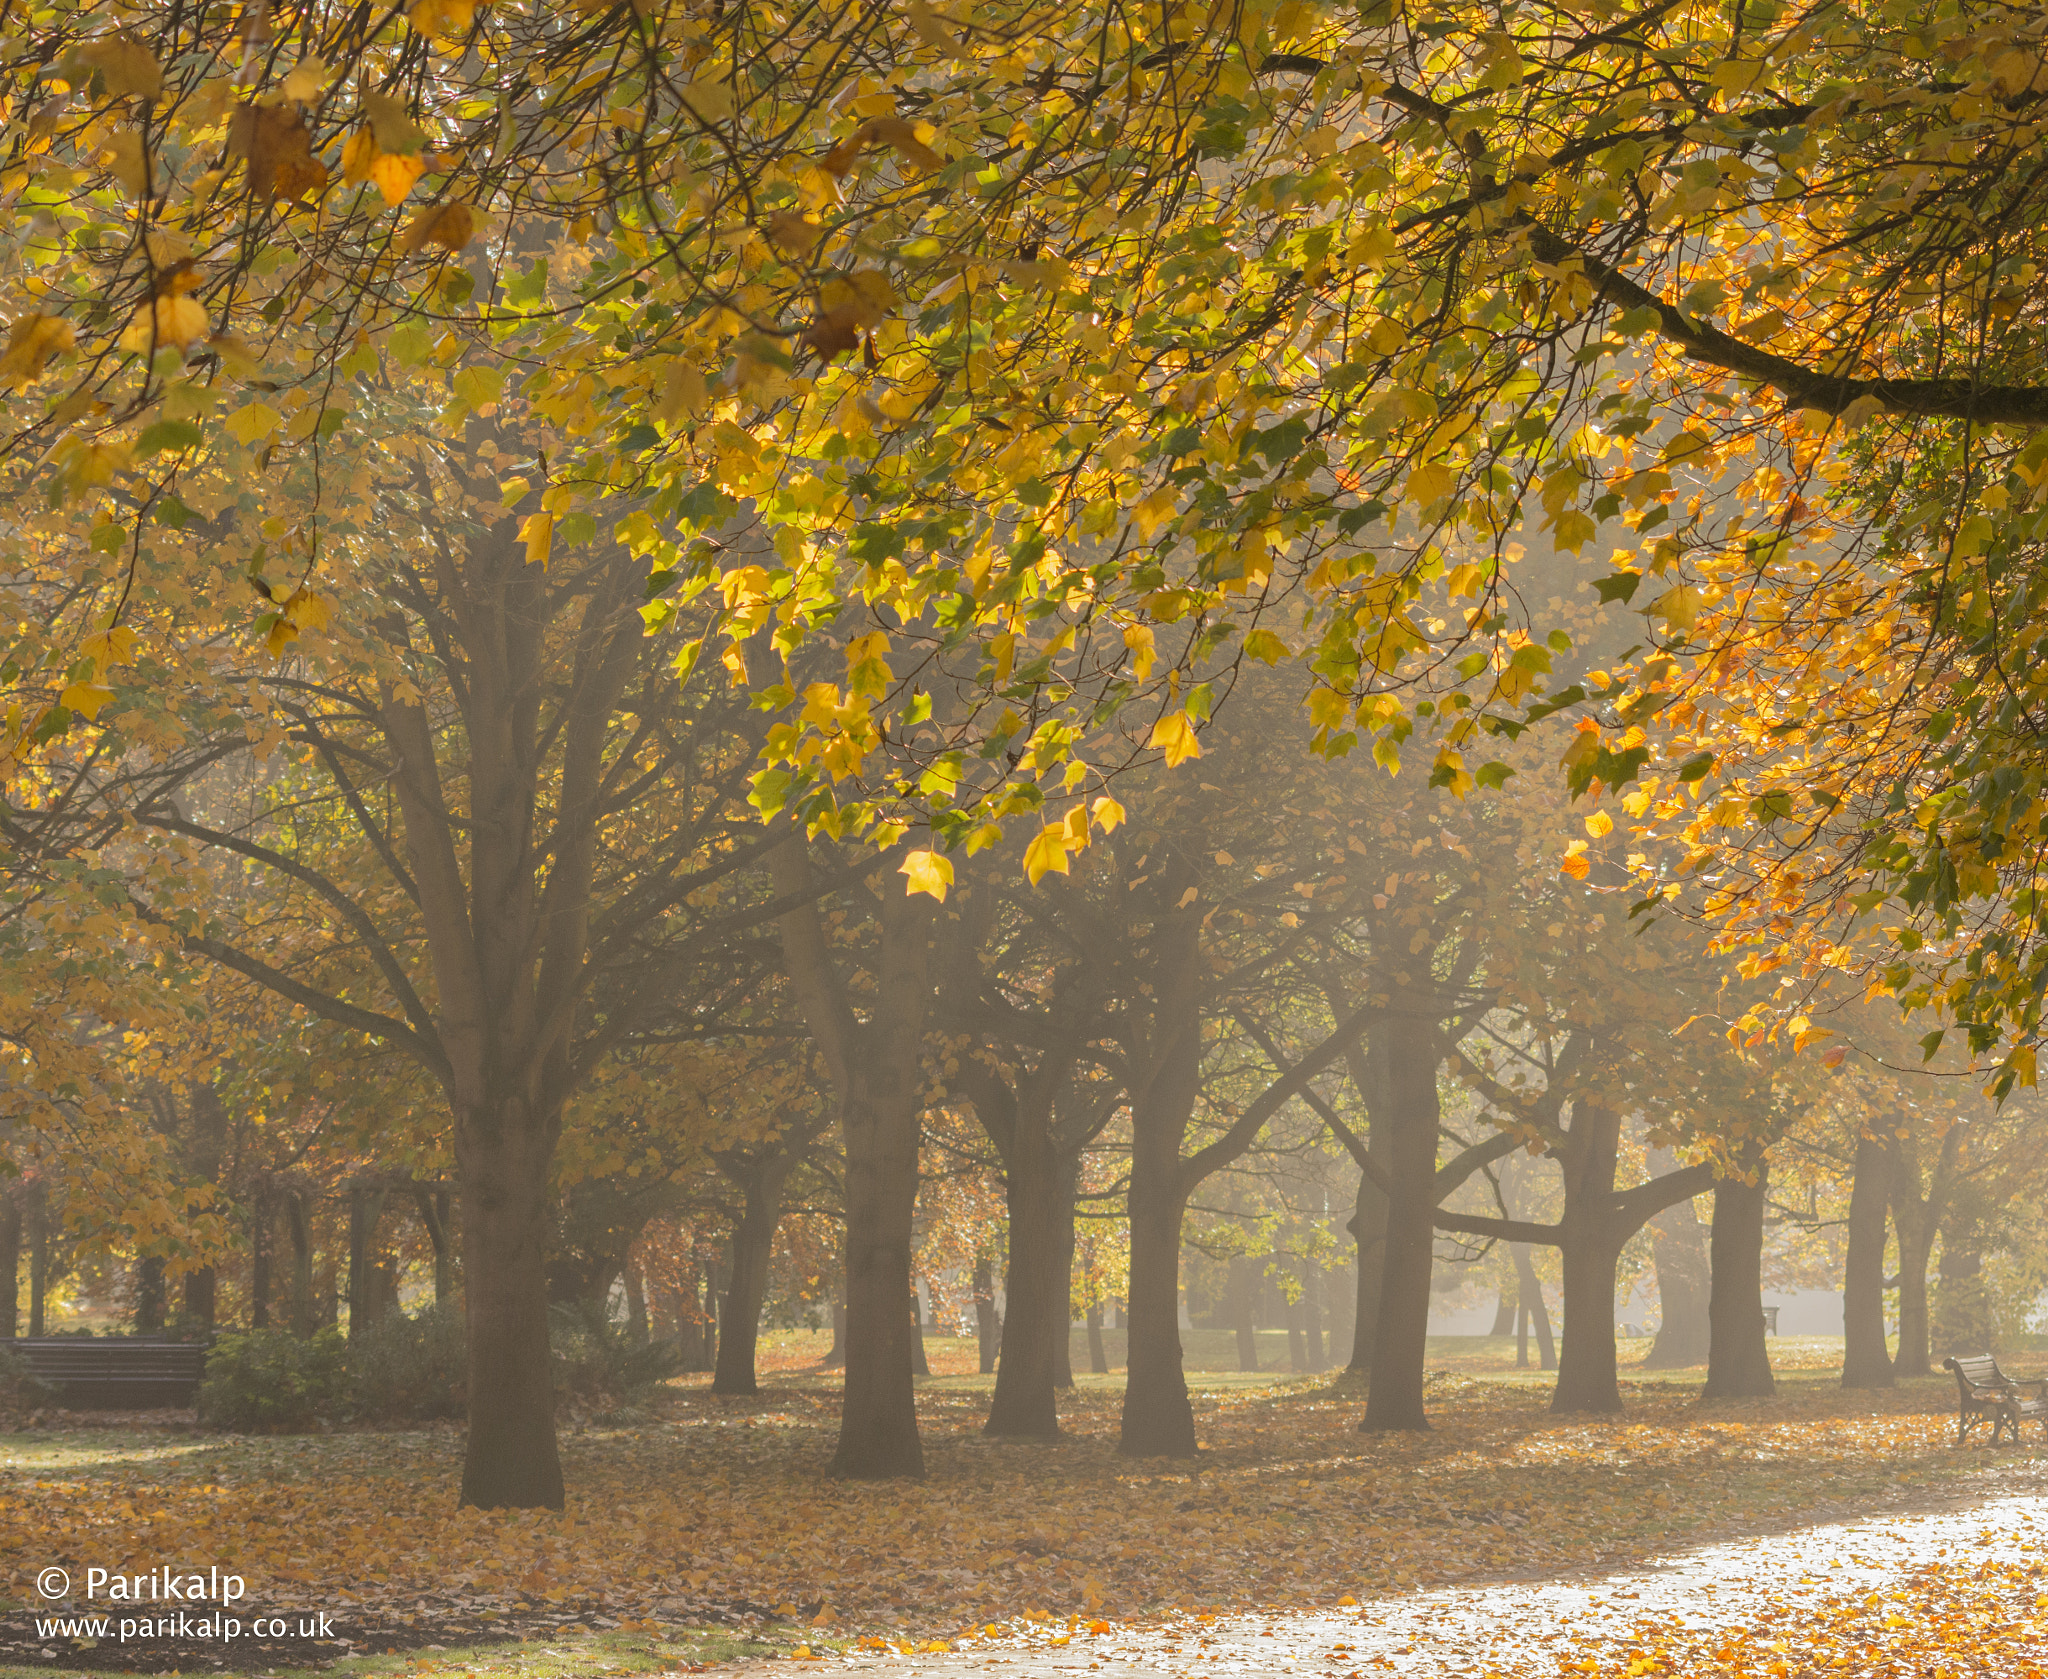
x: 1984, y: 1390
x: 116, y: 1372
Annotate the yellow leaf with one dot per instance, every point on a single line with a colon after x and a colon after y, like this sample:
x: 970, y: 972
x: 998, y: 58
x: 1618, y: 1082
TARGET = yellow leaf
x: 1575, y: 862
x: 442, y: 18
x: 358, y: 152
x: 1266, y: 647
x: 31, y: 342
x: 1107, y: 814
x: 246, y: 425
x: 1174, y: 735
x: 1679, y: 607
x: 309, y: 611
x: 283, y: 632
x: 929, y: 873
x: 449, y: 225
x: 537, y: 531
x: 1047, y: 854
x: 175, y: 321
x: 305, y: 79
x: 85, y: 698
x: 393, y: 175
x: 1599, y: 824
x: 125, y: 65
x: 1139, y: 642
x: 124, y: 159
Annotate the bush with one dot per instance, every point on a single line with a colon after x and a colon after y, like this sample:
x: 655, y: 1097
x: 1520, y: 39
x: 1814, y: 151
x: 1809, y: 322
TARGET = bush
x: 268, y: 1381
x: 402, y: 1367
x: 595, y: 1362
x: 21, y: 1389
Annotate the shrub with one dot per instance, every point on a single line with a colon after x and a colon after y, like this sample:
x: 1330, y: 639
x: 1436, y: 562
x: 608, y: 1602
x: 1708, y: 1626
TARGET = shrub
x: 21, y: 1389
x: 595, y: 1362
x: 417, y: 1367
x: 268, y: 1381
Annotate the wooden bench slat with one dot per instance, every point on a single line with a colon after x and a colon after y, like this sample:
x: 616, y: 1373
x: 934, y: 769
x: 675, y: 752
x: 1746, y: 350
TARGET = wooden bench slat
x: 127, y: 1373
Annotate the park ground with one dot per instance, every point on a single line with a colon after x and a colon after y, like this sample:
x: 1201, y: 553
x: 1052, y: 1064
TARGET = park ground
x: 702, y: 1530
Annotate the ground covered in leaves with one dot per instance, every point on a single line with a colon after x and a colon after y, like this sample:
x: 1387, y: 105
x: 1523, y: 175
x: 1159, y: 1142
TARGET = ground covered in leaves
x: 708, y: 1513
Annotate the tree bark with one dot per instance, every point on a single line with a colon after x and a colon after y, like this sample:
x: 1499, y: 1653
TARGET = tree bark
x: 197, y: 1300
x: 1533, y: 1310
x: 753, y: 1247
x: 1098, y: 1354
x: 1590, y: 1242
x: 1312, y: 1316
x: 1679, y: 1243
x: 1019, y: 1122
x: 1368, y: 1226
x: 10, y: 1264
x: 1241, y: 1312
x: 1065, y: 1180
x: 260, y: 1220
x: 298, y: 1215
x: 1866, y: 1360
x: 1406, y: 1047
x: 150, y: 1299
x: 988, y: 1328
x: 1738, y: 1358
x: 1916, y: 1218
x: 835, y: 1355
x: 920, y: 1365
x: 433, y: 1209
x: 512, y: 1461
x: 365, y: 1211
x: 1504, y: 1312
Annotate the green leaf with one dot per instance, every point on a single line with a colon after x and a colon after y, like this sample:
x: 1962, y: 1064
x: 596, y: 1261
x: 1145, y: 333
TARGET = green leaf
x: 1621, y: 586
x: 168, y: 435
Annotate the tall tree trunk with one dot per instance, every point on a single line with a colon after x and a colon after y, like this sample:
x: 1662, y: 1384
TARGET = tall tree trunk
x: 261, y: 1217
x: 10, y: 1264
x: 1098, y: 1354
x: 877, y: 1068
x: 835, y: 1355
x: 1586, y: 1374
x: 1739, y: 1359
x: 1679, y: 1244
x: 637, y: 1328
x: 1312, y: 1316
x: 1158, y: 1421
x: 1866, y: 1361
x: 299, y: 1217
x: 753, y: 1247
x: 1297, y: 1336
x: 1405, y: 1045
x: 1504, y: 1312
x: 1034, y: 1321
x: 150, y: 1301
x: 196, y: 1307
x: 1914, y: 1218
x: 1368, y: 1226
x: 988, y: 1328
x: 1240, y: 1298
x: 920, y: 1364
x: 1066, y: 1180
x: 512, y: 1461
x: 1587, y: 1379
x: 38, y: 1219
x: 365, y: 1211
x: 1534, y: 1310
x: 433, y: 1210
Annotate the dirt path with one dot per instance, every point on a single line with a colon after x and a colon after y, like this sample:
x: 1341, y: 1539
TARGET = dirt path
x: 1756, y: 1584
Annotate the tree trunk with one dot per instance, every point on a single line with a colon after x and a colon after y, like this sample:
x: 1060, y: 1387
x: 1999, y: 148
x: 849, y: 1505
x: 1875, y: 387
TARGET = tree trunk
x: 1312, y: 1316
x: 637, y: 1329
x: 365, y: 1211
x: 260, y: 1219
x: 920, y: 1364
x: 1098, y: 1354
x: 1913, y: 1217
x: 1589, y: 1249
x: 512, y: 1460
x: 1587, y: 1379
x: 38, y: 1219
x: 1368, y: 1226
x: 1158, y: 1421
x: 1866, y: 1361
x: 1035, y: 1321
x: 835, y: 1355
x: 1297, y: 1337
x: 1506, y: 1308
x: 150, y: 1301
x: 880, y: 1123
x: 10, y: 1265
x: 298, y: 1215
x: 433, y: 1208
x: 1738, y: 1358
x: 988, y: 1328
x: 1679, y: 1243
x: 196, y: 1309
x: 753, y: 1247
x: 1533, y: 1310
x: 1405, y: 1045
x: 1066, y: 1179
x: 1241, y: 1313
